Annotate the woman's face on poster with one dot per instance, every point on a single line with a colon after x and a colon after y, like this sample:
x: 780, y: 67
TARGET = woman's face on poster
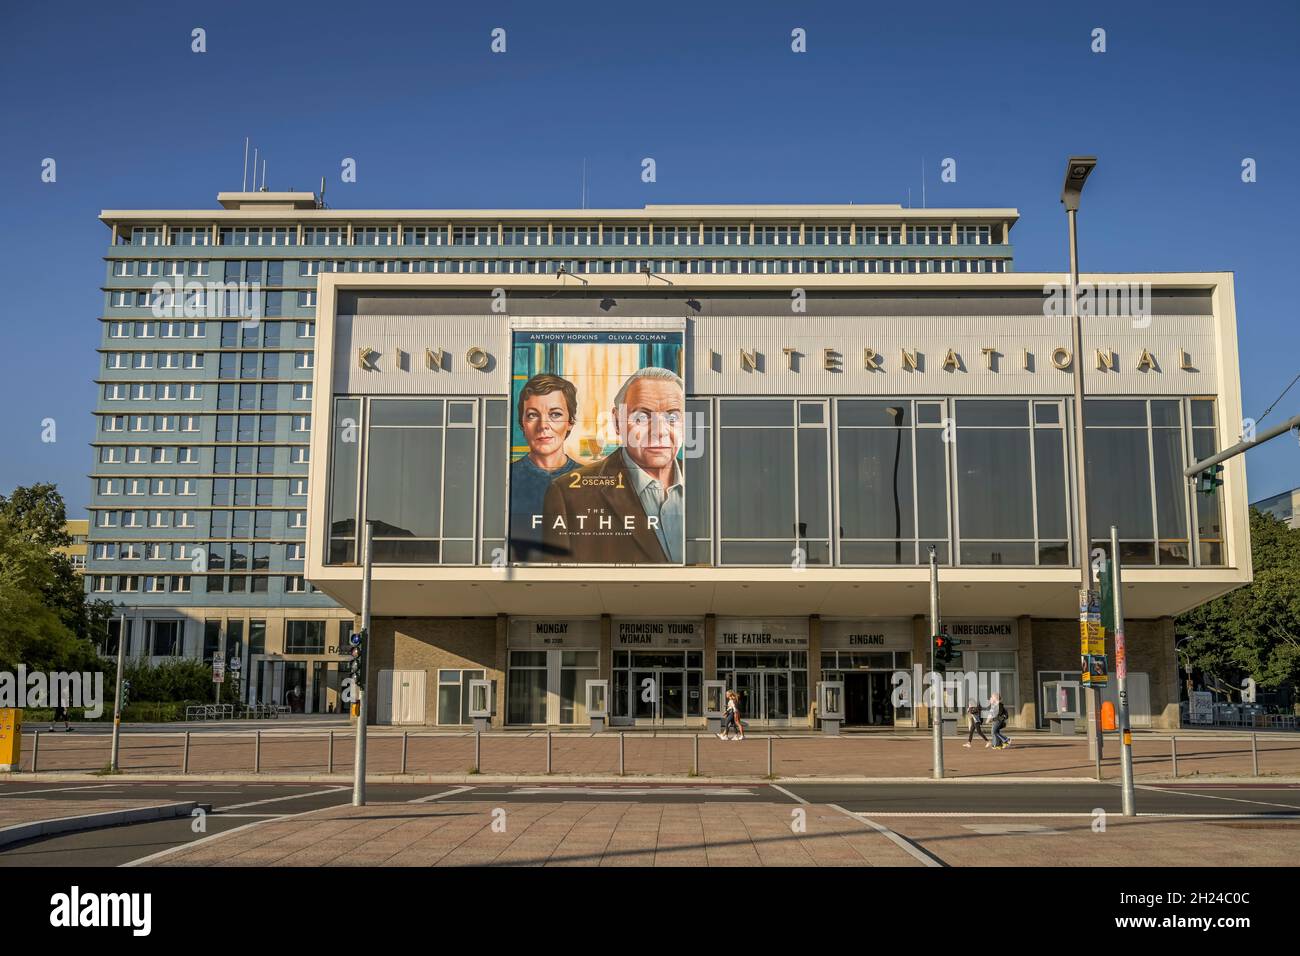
x: 546, y: 422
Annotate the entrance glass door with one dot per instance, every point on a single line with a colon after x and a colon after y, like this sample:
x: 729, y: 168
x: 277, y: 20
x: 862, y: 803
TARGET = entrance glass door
x: 658, y: 696
x: 764, y: 695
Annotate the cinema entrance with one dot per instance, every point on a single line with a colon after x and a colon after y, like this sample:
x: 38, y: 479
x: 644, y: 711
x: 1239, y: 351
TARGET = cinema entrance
x: 866, y: 699
x: 765, y: 661
x: 658, y: 671
x: 865, y: 654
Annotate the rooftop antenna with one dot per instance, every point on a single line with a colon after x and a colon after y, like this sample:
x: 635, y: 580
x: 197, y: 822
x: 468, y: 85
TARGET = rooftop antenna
x: 909, y: 197
x: 254, y: 169
x: 263, y: 175
x: 244, y: 186
x: 320, y: 203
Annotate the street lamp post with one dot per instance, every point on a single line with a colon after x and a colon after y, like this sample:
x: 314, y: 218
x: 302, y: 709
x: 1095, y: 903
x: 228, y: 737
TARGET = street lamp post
x: 1077, y: 170
x: 115, y: 751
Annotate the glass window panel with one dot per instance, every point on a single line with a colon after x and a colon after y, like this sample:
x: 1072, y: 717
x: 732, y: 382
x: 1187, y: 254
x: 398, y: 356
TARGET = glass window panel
x: 931, y: 483
x: 1114, y: 412
x: 757, y: 552
x: 404, y: 471
x: 875, y: 483
x: 998, y: 412
x: 997, y: 552
x: 994, y: 495
x: 873, y: 413
x: 758, y: 480
x: 756, y: 412
x: 1170, y: 485
x: 459, y: 485
x: 814, y: 492
x: 1047, y: 413
x: 1119, y: 481
x: 1165, y: 413
x: 1049, y: 465
x: 1203, y: 411
x: 405, y: 412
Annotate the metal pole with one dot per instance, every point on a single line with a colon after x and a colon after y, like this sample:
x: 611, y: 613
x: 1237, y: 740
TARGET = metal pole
x: 1121, y: 675
x: 1194, y: 469
x: 548, y: 751
x: 1254, y: 755
x: 620, y: 753
x: 936, y: 700
x: 405, y: 735
x: 478, y: 752
x: 185, y: 758
x: 769, y: 756
x: 117, y: 695
x: 1081, y: 471
x: 36, y: 748
x: 221, y: 656
x: 257, y: 751
x: 359, y: 764
x: 329, y: 761
x: 695, y: 757
x: 1173, y: 742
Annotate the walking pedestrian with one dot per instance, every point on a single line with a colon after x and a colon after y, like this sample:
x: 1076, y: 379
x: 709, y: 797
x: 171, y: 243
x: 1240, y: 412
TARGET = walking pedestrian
x: 998, y: 716
x: 973, y: 711
x: 732, y: 720
x: 61, y: 711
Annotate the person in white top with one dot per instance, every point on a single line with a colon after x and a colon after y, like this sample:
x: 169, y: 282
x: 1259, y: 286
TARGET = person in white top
x: 733, y: 718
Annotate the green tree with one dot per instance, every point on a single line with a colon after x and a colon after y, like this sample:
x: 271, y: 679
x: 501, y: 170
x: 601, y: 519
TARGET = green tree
x: 1255, y: 630
x: 45, y: 620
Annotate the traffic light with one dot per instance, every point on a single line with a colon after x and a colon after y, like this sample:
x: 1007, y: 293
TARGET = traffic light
x: 942, y: 651
x: 951, y: 649
x: 1208, y: 482
x: 357, y: 663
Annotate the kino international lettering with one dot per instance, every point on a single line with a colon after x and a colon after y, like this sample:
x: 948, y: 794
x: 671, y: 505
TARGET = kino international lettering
x: 832, y: 360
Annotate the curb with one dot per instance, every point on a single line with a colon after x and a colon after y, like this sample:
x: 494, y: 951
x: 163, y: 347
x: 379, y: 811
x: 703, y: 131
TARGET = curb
x: 531, y: 779
x: 93, y: 821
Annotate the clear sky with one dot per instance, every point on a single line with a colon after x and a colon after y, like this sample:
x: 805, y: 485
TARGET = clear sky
x: 711, y: 91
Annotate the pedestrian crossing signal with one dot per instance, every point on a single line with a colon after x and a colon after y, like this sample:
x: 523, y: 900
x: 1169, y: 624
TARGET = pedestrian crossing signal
x: 1208, y: 482
x: 942, y: 651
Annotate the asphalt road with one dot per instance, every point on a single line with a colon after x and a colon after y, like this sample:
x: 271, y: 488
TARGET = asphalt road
x: 240, y: 803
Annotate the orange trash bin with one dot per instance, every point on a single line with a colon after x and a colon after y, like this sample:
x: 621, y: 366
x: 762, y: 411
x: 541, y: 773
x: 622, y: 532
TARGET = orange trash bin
x: 1108, y: 721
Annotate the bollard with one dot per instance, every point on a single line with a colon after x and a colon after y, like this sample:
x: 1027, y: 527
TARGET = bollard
x: 548, y: 751
x: 477, y: 751
x: 620, y: 753
x: 257, y: 751
x: 329, y: 761
x: 1174, y: 743
x: 1254, y: 755
x: 769, y: 756
x: 695, y: 762
x: 185, y: 757
x: 405, y: 734
x: 36, y: 748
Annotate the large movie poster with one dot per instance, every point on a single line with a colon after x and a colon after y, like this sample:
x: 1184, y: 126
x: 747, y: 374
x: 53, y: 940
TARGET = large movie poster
x: 596, y: 472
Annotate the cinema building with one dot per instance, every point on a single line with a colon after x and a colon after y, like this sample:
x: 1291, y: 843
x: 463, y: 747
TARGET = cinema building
x: 837, y: 420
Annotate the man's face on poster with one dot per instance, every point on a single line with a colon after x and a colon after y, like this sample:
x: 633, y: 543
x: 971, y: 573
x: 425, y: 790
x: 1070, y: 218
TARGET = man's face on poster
x: 546, y: 422
x: 652, y: 422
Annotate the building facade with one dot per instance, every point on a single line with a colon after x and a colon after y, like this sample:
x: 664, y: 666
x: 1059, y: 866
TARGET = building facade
x: 1284, y: 507
x: 77, y: 530
x: 857, y: 384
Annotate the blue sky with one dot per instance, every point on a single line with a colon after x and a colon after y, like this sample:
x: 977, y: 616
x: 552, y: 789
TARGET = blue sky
x: 712, y: 91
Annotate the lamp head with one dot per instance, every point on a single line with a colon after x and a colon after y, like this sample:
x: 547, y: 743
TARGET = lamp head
x: 1077, y: 170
